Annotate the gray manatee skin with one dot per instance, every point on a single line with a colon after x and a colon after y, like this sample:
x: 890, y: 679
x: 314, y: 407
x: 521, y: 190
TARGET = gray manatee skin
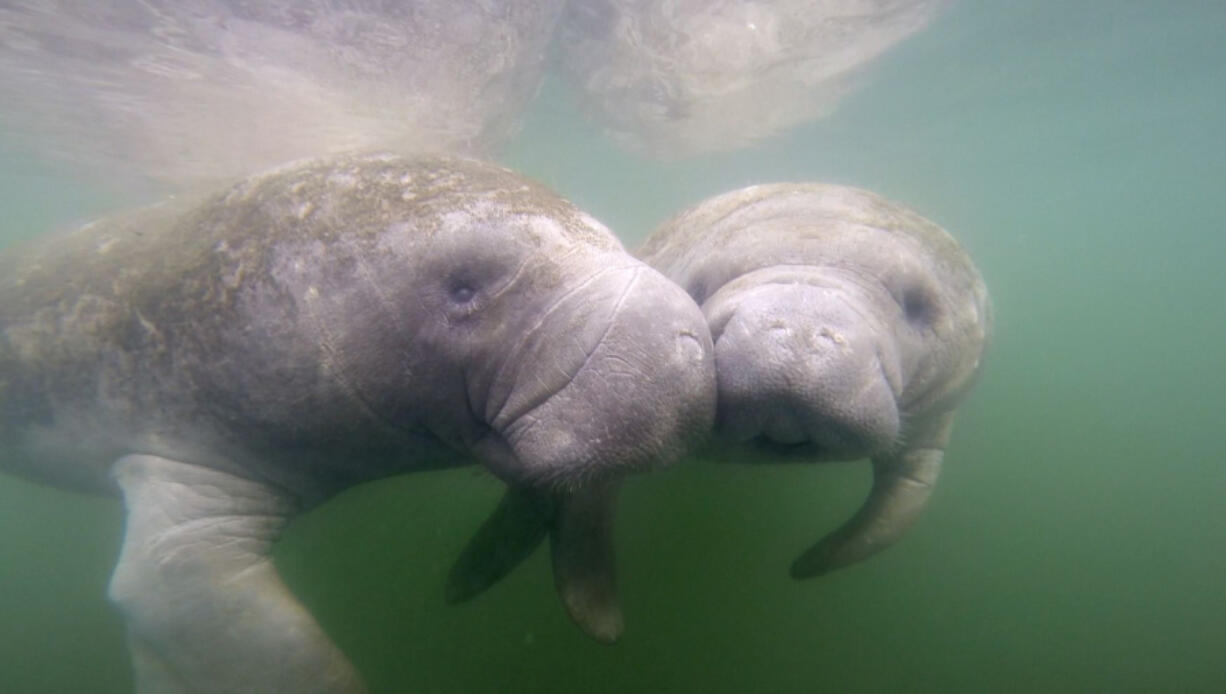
x: 845, y: 326
x: 224, y: 363
x: 147, y: 93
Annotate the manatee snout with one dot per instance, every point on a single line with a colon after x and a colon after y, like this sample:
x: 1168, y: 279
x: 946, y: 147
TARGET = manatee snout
x: 627, y: 368
x: 802, y: 370
x: 618, y: 376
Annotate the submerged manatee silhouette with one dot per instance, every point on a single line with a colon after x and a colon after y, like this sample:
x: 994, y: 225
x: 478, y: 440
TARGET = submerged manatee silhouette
x: 179, y: 93
x: 684, y: 77
x: 227, y: 363
x: 845, y: 327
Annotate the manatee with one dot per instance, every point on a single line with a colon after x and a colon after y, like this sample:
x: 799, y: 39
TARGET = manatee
x: 225, y: 363
x: 683, y: 77
x: 845, y: 326
x: 146, y: 94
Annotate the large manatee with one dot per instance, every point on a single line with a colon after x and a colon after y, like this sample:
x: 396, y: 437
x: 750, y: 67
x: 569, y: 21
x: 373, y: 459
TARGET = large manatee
x: 680, y: 77
x: 227, y: 363
x: 149, y: 91
x: 845, y: 327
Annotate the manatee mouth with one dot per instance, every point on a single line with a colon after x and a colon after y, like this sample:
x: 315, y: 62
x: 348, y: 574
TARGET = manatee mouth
x: 498, y: 456
x: 788, y: 451
x: 829, y: 441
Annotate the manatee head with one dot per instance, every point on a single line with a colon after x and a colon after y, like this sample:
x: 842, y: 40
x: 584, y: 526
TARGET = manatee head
x: 610, y: 370
x: 845, y: 327
x: 464, y: 304
x: 575, y: 358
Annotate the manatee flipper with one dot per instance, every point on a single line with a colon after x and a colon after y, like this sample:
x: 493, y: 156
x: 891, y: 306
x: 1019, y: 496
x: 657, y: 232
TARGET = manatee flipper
x: 584, y: 565
x: 902, y: 485
x: 206, y: 611
x: 580, y: 528
x: 509, y: 536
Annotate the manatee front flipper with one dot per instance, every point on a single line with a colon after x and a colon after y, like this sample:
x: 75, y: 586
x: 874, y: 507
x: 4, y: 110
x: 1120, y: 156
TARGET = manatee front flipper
x: 206, y: 611
x: 509, y: 536
x: 584, y: 565
x: 579, y: 524
x: 902, y: 485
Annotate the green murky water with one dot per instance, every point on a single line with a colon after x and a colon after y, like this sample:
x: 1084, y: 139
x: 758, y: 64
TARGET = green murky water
x: 1076, y: 541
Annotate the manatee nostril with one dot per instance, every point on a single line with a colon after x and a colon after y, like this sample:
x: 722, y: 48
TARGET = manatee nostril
x: 833, y: 336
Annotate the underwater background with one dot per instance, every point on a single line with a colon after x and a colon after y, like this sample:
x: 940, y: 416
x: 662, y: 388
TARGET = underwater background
x: 1077, y: 539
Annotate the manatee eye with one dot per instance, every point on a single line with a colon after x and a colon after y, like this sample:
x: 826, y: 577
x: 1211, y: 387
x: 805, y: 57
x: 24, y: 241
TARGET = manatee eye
x: 461, y: 292
x: 919, y: 306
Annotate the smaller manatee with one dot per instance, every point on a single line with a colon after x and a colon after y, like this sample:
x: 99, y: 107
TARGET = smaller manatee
x: 845, y: 327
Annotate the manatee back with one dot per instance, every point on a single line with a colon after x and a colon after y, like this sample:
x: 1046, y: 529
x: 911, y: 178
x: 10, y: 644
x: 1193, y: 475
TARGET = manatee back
x: 760, y: 226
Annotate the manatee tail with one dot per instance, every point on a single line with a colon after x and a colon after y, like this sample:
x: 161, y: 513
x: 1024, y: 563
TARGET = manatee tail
x: 902, y: 486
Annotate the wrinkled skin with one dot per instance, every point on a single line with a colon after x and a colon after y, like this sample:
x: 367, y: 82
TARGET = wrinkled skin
x: 845, y: 327
x: 227, y: 363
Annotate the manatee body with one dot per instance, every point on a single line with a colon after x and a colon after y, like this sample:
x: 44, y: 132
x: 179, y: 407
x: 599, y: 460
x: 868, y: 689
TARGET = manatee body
x: 150, y: 91
x: 682, y: 77
x: 845, y: 327
x: 227, y: 362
